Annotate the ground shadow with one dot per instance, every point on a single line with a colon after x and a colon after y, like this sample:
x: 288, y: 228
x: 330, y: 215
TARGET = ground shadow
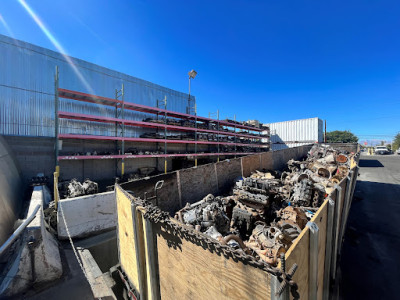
x: 370, y: 163
x: 370, y: 260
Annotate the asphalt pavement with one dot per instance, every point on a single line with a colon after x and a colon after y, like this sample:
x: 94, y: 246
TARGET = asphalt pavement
x: 370, y: 259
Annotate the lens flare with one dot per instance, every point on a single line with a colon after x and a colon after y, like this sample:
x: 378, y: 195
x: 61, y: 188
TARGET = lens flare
x: 56, y: 44
x: 8, y: 29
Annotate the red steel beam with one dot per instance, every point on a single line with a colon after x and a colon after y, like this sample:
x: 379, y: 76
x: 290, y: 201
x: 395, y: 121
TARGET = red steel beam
x: 84, y: 117
x: 148, y: 140
x: 83, y: 157
x: 69, y: 94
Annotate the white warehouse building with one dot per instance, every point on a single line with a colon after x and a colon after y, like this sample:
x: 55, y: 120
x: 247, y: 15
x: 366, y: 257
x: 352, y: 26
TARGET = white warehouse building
x: 296, y: 133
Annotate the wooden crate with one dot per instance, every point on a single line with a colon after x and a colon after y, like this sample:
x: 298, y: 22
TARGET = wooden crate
x: 162, y: 264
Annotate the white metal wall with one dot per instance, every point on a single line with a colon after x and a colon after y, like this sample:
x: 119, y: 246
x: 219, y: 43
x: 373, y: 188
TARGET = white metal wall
x: 27, y: 92
x: 295, y: 133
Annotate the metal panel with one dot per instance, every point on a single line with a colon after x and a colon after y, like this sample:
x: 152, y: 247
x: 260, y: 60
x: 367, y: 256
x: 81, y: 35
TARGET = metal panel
x: 27, y: 92
x: 295, y: 133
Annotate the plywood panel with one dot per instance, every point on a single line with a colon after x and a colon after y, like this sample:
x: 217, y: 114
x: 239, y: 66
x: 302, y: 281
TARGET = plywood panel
x: 320, y: 219
x: 197, y: 183
x: 189, y: 271
x: 250, y: 164
x: 299, y: 253
x: 267, y: 161
x: 126, y: 241
x: 228, y: 171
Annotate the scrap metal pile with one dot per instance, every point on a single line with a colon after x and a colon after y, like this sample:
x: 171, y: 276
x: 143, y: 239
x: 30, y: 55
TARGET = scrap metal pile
x: 266, y: 212
x: 73, y: 188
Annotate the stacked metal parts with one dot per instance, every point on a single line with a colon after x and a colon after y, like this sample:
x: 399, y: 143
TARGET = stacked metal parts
x: 266, y: 212
x: 73, y: 188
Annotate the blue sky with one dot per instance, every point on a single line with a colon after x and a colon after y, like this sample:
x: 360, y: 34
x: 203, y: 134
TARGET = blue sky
x: 267, y: 60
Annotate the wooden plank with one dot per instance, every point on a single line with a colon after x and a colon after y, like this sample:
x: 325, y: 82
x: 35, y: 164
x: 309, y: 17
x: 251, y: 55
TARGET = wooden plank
x: 299, y: 253
x: 189, y: 271
x: 320, y: 218
x: 126, y: 240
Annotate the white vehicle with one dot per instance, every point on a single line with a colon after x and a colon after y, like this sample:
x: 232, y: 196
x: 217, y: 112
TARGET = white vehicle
x: 381, y: 150
x: 398, y: 151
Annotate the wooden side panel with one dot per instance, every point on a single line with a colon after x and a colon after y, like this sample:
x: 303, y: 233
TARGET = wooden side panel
x: 189, y: 271
x: 197, y: 183
x: 320, y: 219
x: 267, y: 161
x: 228, y: 171
x: 343, y: 185
x: 299, y: 253
x: 126, y: 241
x: 250, y: 164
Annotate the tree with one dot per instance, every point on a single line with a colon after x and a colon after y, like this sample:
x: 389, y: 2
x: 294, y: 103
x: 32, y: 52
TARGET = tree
x: 338, y: 136
x: 396, y: 142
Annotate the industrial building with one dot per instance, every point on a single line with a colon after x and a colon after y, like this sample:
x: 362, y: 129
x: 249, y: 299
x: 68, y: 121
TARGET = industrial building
x: 97, y: 115
x: 166, y: 197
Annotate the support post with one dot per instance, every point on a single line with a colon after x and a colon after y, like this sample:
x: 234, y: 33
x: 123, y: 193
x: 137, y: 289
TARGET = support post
x: 123, y: 131
x: 336, y: 230
x: 138, y: 253
x: 56, y: 120
x: 345, y: 210
x: 313, y: 268
x: 151, y: 248
x: 218, y: 133
x: 328, y: 249
x: 195, y: 135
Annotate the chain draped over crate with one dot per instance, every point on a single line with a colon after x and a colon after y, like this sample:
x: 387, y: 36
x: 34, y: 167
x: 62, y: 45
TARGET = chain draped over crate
x: 157, y: 216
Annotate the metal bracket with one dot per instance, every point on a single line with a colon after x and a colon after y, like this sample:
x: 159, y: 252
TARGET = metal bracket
x: 275, y: 284
x: 313, y: 269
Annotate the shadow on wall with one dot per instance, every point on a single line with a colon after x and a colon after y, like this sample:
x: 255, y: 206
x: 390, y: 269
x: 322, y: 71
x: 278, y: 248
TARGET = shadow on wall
x: 10, y: 187
x: 277, y: 143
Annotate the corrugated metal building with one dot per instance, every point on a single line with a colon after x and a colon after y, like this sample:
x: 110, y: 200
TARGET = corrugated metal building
x: 296, y: 133
x: 27, y: 92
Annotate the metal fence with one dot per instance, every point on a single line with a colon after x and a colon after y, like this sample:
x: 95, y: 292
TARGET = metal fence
x: 27, y: 92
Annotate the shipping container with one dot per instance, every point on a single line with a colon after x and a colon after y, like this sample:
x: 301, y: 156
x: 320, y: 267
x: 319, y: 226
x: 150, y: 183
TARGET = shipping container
x: 295, y: 133
x: 160, y: 258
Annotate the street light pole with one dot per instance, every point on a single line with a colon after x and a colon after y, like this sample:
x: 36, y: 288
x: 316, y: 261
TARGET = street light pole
x: 192, y: 74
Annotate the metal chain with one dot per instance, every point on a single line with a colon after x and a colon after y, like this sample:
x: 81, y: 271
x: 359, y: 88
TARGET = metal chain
x: 157, y: 216
x: 74, y: 248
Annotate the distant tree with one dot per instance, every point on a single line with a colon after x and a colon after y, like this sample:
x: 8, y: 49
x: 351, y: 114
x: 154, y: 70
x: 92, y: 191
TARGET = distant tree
x: 382, y: 143
x: 396, y: 142
x: 389, y: 146
x: 338, y: 136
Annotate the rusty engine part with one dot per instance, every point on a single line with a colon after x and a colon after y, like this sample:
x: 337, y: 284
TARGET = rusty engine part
x: 73, y: 188
x: 302, y: 193
x: 292, y: 215
x: 269, y: 242
x: 206, y: 213
x: 267, y: 211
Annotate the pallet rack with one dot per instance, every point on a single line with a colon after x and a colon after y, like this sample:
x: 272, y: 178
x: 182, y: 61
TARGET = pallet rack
x: 120, y: 123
